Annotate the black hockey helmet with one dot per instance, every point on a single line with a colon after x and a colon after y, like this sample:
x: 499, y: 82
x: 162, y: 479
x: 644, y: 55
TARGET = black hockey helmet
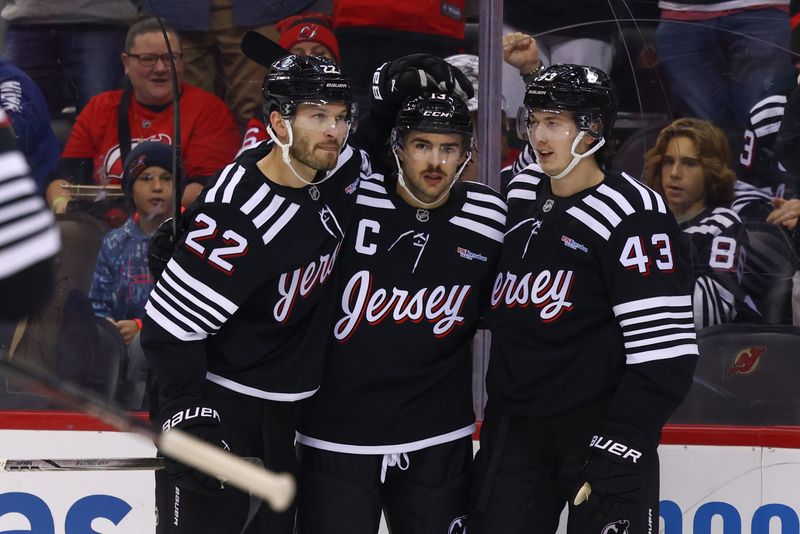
x: 434, y: 111
x: 295, y: 79
x: 586, y: 91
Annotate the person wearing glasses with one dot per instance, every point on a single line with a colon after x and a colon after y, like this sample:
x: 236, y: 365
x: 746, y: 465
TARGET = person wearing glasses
x: 116, y: 121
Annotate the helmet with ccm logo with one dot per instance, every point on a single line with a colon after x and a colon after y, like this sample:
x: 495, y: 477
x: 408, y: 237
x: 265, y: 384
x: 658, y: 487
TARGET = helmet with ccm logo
x: 293, y: 80
x: 586, y: 91
x: 436, y: 112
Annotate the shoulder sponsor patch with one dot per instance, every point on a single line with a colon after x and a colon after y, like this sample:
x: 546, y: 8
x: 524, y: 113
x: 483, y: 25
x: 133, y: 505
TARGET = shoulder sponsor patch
x: 574, y: 245
x: 469, y: 255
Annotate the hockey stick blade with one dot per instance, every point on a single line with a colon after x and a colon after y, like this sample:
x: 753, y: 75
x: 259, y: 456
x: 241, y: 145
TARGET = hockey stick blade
x: 262, y: 49
x: 91, y: 464
x: 278, y: 489
x: 583, y: 494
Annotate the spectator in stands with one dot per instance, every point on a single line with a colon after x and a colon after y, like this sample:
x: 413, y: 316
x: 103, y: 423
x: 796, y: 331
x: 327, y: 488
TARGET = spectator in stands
x: 24, y: 104
x: 144, y: 112
x: 469, y: 65
x: 70, y: 48
x: 371, y: 32
x: 575, y: 31
x: 211, y: 32
x: 122, y: 281
x: 721, y: 60
x: 307, y: 34
x: 688, y: 166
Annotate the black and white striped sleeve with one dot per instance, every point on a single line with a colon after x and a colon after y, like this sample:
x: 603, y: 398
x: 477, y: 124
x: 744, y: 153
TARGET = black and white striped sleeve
x: 29, y: 238
x: 648, y: 278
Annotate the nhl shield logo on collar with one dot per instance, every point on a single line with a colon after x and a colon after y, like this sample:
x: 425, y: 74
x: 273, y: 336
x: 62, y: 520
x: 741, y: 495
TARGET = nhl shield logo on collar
x: 423, y: 215
x: 313, y: 191
x: 548, y: 205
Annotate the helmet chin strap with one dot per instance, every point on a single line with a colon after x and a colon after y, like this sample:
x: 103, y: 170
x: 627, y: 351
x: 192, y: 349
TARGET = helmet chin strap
x: 285, y: 153
x: 429, y: 205
x: 576, y: 158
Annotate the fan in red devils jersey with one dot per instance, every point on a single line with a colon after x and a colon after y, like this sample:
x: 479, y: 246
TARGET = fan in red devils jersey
x: 226, y: 327
x: 391, y: 426
x: 593, y: 340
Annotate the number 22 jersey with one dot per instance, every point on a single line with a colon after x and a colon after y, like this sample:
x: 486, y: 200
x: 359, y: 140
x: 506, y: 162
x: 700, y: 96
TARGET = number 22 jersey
x: 592, y: 298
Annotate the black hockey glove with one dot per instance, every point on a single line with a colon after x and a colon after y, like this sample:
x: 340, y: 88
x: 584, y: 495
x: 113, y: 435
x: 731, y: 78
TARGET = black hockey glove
x: 202, y: 421
x: 395, y: 81
x: 614, y: 469
x: 160, y: 249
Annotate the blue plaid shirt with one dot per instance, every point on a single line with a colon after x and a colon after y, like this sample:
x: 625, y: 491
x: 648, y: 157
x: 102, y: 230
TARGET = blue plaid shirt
x: 122, y: 281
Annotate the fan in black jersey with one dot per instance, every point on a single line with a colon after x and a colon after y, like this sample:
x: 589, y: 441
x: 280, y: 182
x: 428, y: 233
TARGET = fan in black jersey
x: 390, y: 429
x: 29, y: 238
x: 593, y: 339
x: 226, y: 327
x: 688, y: 165
x: 762, y: 177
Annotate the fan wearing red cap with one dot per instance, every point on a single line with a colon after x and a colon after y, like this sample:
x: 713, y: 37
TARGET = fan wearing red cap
x: 309, y: 34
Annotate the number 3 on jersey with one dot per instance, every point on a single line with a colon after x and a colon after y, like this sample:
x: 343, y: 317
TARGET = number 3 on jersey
x: 633, y: 255
x: 237, y: 245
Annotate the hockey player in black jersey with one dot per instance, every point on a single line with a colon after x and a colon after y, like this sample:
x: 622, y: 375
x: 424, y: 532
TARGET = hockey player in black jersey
x: 226, y: 327
x: 688, y: 166
x: 593, y: 341
x: 29, y: 239
x: 390, y: 428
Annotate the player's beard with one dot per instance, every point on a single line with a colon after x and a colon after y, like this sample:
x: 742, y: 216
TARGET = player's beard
x: 313, y: 156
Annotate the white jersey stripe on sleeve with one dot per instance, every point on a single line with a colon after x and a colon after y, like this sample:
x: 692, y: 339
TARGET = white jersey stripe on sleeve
x: 255, y: 200
x: 23, y: 207
x: 166, y: 277
x: 590, y: 221
x: 13, y: 165
x: 483, y: 197
x: 603, y: 209
x: 227, y: 195
x: 201, y: 288
x: 618, y: 198
x: 652, y: 302
x: 643, y: 192
x: 36, y: 222
x: 666, y: 326
x: 175, y: 314
x: 521, y: 194
x: 168, y: 325
x: 164, y: 292
x: 16, y: 189
x: 212, y: 193
x: 659, y: 339
x: 17, y: 257
x: 282, y: 221
x: 686, y: 349
x: 269, y: 211
x: 480, y: 228
x: 384, y: 203
x: 485, y: 212
x: 372, y: 186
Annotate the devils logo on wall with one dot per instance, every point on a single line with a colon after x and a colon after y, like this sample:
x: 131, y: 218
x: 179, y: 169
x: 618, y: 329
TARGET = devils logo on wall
x: 746, y: 361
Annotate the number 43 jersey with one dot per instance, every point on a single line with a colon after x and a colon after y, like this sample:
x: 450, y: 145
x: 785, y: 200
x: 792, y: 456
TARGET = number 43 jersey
x: 592, y: 298
x: 411, y: 286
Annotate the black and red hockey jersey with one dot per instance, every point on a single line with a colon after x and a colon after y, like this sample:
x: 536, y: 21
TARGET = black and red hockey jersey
x: 592, y: 298
x: 412, y: 284
x: 249, y: 278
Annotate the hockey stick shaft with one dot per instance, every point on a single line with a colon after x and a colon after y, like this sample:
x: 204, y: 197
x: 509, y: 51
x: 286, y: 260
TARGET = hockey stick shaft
x: 82, y: 464
x: 277, y: 489
x: 91, y: 464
